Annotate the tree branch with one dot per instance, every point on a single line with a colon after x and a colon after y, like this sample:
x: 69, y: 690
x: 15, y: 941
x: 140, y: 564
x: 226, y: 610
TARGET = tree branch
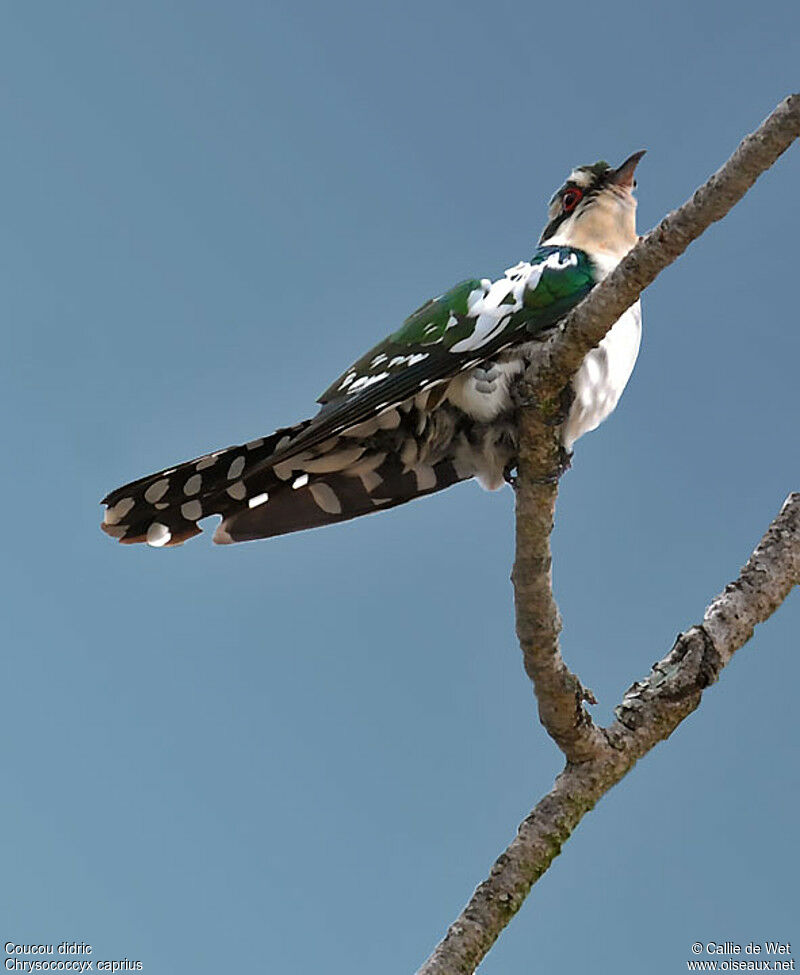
x: 559, y: 692
x: 589, y: 321
x: 649, y: 712
x: 651, y: 709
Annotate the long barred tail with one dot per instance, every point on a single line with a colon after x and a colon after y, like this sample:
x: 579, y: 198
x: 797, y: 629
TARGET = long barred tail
x: 366, y: 469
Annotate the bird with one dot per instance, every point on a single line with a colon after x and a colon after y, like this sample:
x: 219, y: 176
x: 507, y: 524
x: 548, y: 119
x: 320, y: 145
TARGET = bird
x: 431, y: 405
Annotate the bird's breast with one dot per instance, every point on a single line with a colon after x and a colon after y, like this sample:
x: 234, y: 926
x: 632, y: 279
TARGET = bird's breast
x: 484, y: 392
x: 603, y: 376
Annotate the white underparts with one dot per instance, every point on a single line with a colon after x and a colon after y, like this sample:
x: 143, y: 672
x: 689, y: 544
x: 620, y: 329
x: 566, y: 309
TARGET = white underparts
x: 603, y: 376
x: 483, y: 392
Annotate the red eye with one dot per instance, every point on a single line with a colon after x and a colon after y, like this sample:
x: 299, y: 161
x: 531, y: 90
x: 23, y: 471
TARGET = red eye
x: 571, y: 198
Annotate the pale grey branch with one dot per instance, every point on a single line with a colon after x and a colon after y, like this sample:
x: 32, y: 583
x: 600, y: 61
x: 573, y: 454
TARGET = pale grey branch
x: 559, y: 693
x: 651, y: 709
x: 649, y: 712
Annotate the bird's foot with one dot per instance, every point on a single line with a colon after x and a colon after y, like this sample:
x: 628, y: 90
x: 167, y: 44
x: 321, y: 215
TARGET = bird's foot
x: 561, y: 413
x: 564, y: 464
x: 511, y: 471
x: 522, y: 395
x: 554, y: 412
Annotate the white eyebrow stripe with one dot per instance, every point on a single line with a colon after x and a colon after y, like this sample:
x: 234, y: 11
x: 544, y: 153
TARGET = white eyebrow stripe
x: 580, y: 177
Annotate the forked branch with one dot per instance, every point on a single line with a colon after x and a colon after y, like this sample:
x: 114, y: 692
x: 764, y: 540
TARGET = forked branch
x: 650, y: 711
x: 597, y: 758
x: 559, y: 693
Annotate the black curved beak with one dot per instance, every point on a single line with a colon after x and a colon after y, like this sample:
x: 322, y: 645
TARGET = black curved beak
x: 623, y: 175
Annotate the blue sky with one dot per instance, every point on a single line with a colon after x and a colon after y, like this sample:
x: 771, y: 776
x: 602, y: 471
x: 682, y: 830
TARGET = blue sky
x: 301, y: 755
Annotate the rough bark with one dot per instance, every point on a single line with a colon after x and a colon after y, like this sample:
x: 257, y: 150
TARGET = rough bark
x: 649, y: 712
x: 559, y: 693
x: 597, y: 758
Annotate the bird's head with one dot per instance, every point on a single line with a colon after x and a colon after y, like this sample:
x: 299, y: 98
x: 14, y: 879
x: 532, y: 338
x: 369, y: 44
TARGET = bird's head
x: 595, y: 210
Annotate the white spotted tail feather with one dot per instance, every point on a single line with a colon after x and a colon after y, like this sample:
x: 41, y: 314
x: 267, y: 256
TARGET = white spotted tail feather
x: 400, y: 455
x: 424, y: 409
x: 164, y: 509
x: 427, y: 407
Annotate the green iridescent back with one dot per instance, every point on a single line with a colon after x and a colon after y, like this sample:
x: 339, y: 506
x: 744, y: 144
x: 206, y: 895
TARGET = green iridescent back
x: 438, y: 330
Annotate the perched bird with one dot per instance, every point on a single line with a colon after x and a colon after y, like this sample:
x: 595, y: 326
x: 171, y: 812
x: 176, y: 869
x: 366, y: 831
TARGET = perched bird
x: 430, y: 406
